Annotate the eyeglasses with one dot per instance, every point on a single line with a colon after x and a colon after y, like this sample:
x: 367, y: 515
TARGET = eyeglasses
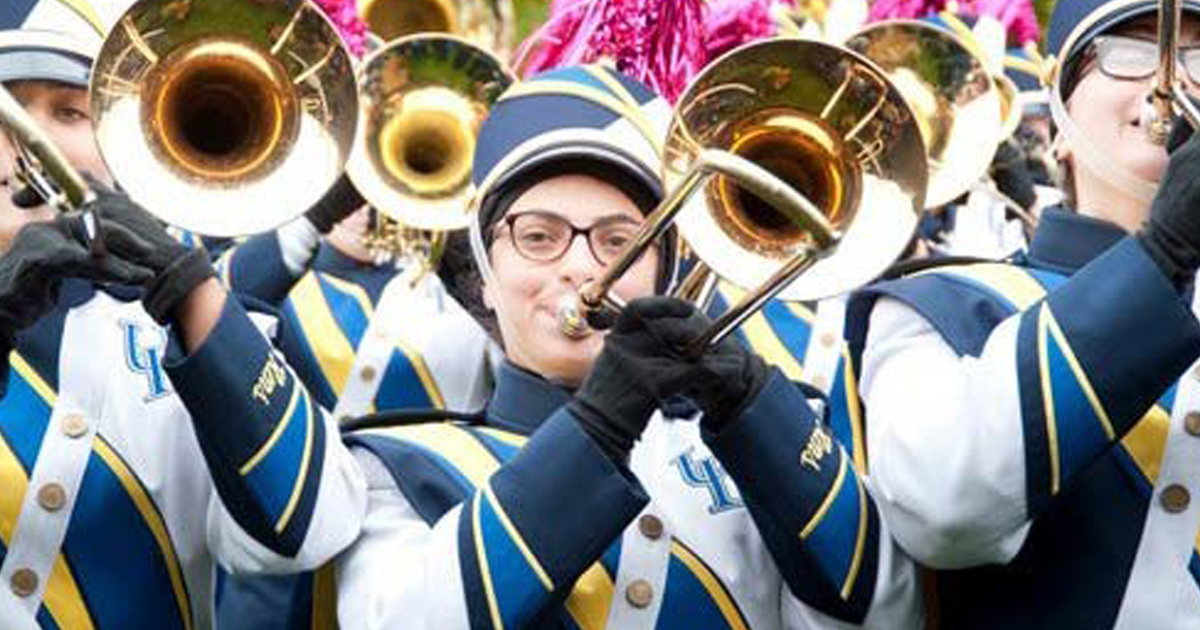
x: 545, y: 236
x: 1130, y: 58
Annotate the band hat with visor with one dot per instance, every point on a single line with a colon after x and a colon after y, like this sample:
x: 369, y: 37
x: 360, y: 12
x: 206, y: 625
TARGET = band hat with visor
x: 589, y: 120
x: 1075, y: 24
x: 53, y: 40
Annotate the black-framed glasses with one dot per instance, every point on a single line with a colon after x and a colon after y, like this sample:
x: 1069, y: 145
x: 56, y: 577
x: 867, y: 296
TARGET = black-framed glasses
x: 544, y: 236
x: 1132, y: 58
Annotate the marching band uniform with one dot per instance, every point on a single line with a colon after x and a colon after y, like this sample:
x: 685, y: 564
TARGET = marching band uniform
x: 131, y: 469
x: 524, y: 521
x: 1030, y: 422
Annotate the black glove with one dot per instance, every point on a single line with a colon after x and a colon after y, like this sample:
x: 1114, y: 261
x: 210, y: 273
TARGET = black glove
x: 339, y: 202
x: 642, y: 364
x: 132, y: 234
x: 1010, y: 170
x: 41, y: 256
x: 1172, y: 232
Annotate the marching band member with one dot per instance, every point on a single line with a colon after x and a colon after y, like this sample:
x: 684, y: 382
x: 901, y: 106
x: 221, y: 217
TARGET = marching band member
x: 574, y: 499
x: 1031, y: 424
x: 147, y: 427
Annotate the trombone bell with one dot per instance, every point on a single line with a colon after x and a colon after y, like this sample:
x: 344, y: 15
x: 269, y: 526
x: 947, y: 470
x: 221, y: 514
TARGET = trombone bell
x: 827, y: 124
x: 422, y: 101
x: 224, y: 117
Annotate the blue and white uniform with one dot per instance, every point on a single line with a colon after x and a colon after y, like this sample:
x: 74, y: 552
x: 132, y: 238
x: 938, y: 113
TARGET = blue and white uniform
x: 1031, y: 431
x: 522, y: 522
x: 131, y: 470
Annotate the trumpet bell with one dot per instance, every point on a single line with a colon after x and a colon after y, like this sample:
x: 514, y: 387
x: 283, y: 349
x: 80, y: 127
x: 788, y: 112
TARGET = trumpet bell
x: 827, y: 123
x: 957, y: 104
x: 423, y: 99
x: 486, y: 23
x: 225, y: 117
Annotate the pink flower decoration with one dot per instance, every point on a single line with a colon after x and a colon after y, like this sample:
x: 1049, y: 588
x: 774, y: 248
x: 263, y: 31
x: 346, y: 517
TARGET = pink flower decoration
x: 344, y: 16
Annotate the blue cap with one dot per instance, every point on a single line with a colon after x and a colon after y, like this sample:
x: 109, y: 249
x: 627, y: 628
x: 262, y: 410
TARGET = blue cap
x: 570, y: 116
x: 1075, y: 23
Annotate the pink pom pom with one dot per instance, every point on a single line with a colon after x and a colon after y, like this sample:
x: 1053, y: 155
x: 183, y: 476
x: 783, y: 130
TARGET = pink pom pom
x: 659, y: 42
x: 344, y: 16
x: 904, y: 9
x: 1017, y: 16
x: 731, y: 23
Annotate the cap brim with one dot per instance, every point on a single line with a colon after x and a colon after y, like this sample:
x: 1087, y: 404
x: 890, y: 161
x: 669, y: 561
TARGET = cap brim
x: 43, y: 55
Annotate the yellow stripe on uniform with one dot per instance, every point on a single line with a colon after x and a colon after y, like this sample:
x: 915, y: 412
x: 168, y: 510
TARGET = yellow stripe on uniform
x: 829, y: 499
x: 329, y: 343
x: 354, y: 291
x: 62, y: 599
x: 1048, y: 399
x: 716, y: 590
x: 324, y: 604
x: 1014, y: 284
x: 485, y: 570
x: 763, y: 340
x: 422, y: 370
x: 860, y: 542
x: 302, y: 472
x: 854, y: 411
x: 153, y: 520
x: 591, y: 598
x: 1147, y: 440
x: 1080, y: 376
x: 516, y: 537
x: 34, y: 379
x: 280, y: 427
x: 470, y: 457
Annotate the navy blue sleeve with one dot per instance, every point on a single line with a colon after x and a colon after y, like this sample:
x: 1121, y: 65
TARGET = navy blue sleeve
x: 806, y: 499
x: 255, y: 267
x: 542, y: 519
x: 1092, y: 359
x: 261, y: 434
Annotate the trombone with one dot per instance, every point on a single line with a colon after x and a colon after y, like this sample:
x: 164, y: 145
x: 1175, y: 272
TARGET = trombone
x: 224, y: 117
x: 794, y: 166
x: 1169, y: 99
x: 422, y: 101
x: 41, y: 166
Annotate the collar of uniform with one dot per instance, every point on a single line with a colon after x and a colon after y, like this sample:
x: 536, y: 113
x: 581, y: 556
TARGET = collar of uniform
x: 1065, y: 241
x: 329, y: 259
x: 523, y: 400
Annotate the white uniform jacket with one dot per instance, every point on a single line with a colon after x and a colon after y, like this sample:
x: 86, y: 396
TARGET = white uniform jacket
x: 764, y: 525
x: 1026, y: 434
x: 117, y: 501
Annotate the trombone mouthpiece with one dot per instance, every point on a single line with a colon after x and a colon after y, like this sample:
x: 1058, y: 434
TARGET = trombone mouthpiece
x: 571, y: 322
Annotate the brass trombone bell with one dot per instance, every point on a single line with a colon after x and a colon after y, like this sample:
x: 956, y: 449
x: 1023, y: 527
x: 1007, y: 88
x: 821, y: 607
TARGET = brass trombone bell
x: 422, y: 101
x: 486, y: 23
x: 795, y: 167
x: 224, y: 117
x: 956, y: 102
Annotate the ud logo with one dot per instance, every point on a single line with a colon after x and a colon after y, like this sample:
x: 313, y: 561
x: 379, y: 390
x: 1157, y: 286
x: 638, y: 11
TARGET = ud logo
x: 144, y: 349
x: 707, y: 473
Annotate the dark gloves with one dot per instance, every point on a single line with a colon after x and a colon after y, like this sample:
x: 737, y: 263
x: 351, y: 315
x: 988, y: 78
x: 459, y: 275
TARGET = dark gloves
x: 132, y: 234
x: 41, y: 256
x: 642, y: 363
x: 1172, y: 233
x: 339, y: 202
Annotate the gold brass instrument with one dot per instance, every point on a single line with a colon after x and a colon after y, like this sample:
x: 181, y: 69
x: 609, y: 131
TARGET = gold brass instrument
x: 956, y: 102
x: 40, y: 165
x: 487, y: 23
x: 224, y: 117
x: 421, y: 103
x: 795, y: 166
x: 1169, y: 99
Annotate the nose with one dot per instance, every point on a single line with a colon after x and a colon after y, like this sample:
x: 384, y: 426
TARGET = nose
x: 578, y: 266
